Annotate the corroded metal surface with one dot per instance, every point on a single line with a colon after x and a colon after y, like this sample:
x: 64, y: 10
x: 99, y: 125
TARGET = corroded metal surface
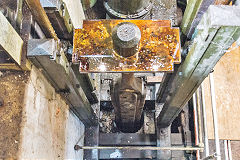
x: 159, y: 47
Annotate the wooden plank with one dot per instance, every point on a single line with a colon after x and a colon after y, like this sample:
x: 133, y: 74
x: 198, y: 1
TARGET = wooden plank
x: 155, y: 79
x: 226, y: 77
x: 9, y: 66
x: 10, y: 41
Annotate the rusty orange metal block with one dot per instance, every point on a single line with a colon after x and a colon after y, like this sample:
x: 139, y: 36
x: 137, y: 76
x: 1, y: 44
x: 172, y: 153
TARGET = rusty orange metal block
x: 159, y: 47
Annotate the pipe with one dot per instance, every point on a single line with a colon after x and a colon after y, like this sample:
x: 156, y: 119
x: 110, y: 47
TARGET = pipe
x: 215, y: 121
x: 195, y: 123
x: 229, y: 149
x: 206, y: 144
x: 77, y: 147
x: 200, y: 136
x: 41, y: 17
x: 225, y: 149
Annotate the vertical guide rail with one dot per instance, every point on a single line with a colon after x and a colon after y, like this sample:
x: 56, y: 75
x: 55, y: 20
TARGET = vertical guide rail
x: 214, y: 112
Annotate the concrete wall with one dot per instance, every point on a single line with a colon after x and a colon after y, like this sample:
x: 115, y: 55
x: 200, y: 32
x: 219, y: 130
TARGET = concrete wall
x: 49, y: 129
x: 35, y: 121
x: 74, y: 135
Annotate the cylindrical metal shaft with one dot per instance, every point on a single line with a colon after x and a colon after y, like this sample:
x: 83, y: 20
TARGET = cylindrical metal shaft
x: 126, y: 37
x: 196, y: 124
x: 127, y: 8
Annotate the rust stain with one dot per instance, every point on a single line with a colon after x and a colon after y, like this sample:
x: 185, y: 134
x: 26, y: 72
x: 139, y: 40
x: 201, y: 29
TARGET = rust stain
x: 159, y: 47
x: 222, y: 2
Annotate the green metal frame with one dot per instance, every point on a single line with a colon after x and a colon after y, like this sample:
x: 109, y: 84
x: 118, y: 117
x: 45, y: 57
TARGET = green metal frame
x: 215, y: 34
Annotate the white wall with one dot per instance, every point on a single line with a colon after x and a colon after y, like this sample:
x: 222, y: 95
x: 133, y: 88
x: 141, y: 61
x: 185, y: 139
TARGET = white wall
x: 49, y: 129
x: 74, y: 135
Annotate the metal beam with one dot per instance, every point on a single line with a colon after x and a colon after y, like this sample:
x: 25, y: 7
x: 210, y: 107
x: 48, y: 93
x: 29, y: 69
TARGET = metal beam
x: 91, y: 138
x: 127, y: 139
x: 126, y: 154
x: 193, y: 14
x: 216, y: 33
x: 197, y: 18
x: 46, y: 55
x: 87, y: 84
x: 164, y: 140
x: 134, y: 139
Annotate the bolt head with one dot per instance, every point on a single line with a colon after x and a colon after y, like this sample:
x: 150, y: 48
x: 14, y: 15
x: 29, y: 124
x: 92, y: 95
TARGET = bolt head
x: 1, y: 102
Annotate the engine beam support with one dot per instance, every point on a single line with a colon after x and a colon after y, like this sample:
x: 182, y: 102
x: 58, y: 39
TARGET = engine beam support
x: 215, y: 35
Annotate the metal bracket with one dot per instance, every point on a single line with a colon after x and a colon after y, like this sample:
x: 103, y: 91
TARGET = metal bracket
x: 46, y: 54
x: 43, y: 47
x: 164, y: 140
